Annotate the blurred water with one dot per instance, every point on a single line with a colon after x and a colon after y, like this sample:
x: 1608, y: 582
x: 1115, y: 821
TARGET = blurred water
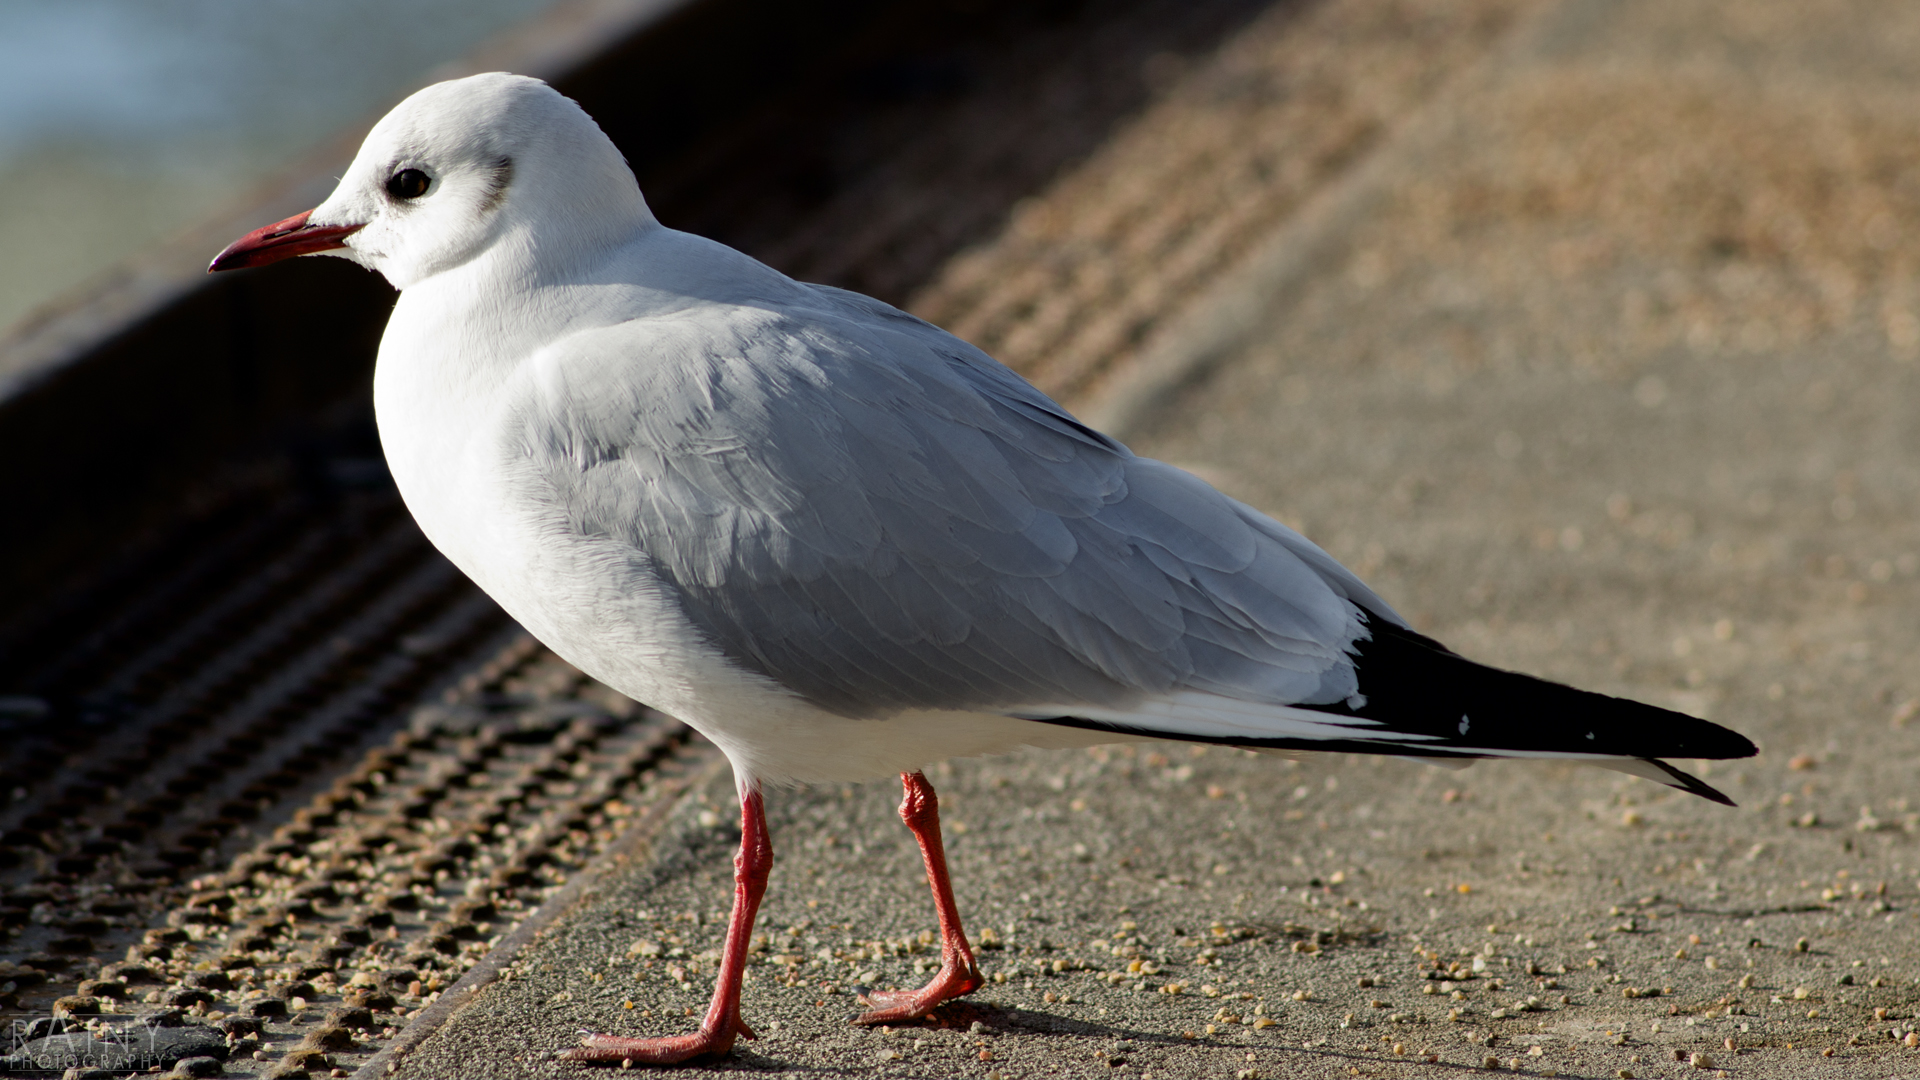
x: 123, y: 121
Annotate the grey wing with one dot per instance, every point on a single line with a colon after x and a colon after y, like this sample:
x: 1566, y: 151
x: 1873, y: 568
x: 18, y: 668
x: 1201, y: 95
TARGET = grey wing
x: 880, y: 517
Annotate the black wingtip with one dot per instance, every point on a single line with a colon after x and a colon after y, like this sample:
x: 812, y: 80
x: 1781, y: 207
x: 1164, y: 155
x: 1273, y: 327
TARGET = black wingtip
x: 1414, y: 685
x: 1694, y: 784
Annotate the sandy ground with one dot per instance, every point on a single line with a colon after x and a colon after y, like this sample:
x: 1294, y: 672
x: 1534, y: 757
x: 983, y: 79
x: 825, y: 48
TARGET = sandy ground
x: 1618, y: 387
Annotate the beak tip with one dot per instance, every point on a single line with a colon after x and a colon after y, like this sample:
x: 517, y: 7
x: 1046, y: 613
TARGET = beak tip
x: 231, y: 259
x: 280, y: 240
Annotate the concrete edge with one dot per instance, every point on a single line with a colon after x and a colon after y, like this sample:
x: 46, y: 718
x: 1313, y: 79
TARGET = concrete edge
x: 701, y: 763
x: 1270, y: 279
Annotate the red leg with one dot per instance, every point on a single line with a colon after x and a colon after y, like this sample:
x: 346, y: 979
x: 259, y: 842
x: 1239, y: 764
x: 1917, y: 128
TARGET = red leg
x: 958, y: 975
x: 722, y: 1023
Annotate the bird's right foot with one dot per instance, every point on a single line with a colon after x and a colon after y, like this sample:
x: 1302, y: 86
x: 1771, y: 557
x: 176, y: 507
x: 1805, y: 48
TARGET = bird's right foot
x: 895, y: 1006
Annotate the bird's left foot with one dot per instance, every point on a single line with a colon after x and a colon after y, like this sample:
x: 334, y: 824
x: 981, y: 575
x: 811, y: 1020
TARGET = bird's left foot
x: 596, y: 1048
x: 893, y: 1006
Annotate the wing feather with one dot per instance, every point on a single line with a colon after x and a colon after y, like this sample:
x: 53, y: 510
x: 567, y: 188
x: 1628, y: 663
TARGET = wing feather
x: 880, y: 517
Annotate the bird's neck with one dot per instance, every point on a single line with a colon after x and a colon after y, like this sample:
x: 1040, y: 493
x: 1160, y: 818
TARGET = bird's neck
x: 458, y: 339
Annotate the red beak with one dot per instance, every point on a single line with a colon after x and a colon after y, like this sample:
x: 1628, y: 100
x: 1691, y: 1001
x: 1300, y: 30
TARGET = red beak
x: 281, y: 240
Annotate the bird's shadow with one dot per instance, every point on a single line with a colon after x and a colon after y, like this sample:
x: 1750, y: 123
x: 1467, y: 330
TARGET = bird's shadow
x: 1003, y: 1020
x: 952, y: 1016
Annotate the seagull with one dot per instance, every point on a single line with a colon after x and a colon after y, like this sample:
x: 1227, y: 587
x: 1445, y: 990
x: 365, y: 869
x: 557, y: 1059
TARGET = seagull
x: 838, y: 541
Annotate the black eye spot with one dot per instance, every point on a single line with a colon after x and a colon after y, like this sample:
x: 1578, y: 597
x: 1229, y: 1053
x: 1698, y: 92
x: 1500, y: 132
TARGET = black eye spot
x: 408, y: 184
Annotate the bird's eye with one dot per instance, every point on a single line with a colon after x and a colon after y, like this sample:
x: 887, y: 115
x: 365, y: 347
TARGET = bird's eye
x: 408, y: 184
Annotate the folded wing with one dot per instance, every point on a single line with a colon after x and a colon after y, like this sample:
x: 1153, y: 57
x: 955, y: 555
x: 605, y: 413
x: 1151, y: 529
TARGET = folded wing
x: 880, y: 517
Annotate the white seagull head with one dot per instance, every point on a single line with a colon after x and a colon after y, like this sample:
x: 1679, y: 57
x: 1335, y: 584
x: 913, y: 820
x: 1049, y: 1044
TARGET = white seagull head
x: 493, y: 166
